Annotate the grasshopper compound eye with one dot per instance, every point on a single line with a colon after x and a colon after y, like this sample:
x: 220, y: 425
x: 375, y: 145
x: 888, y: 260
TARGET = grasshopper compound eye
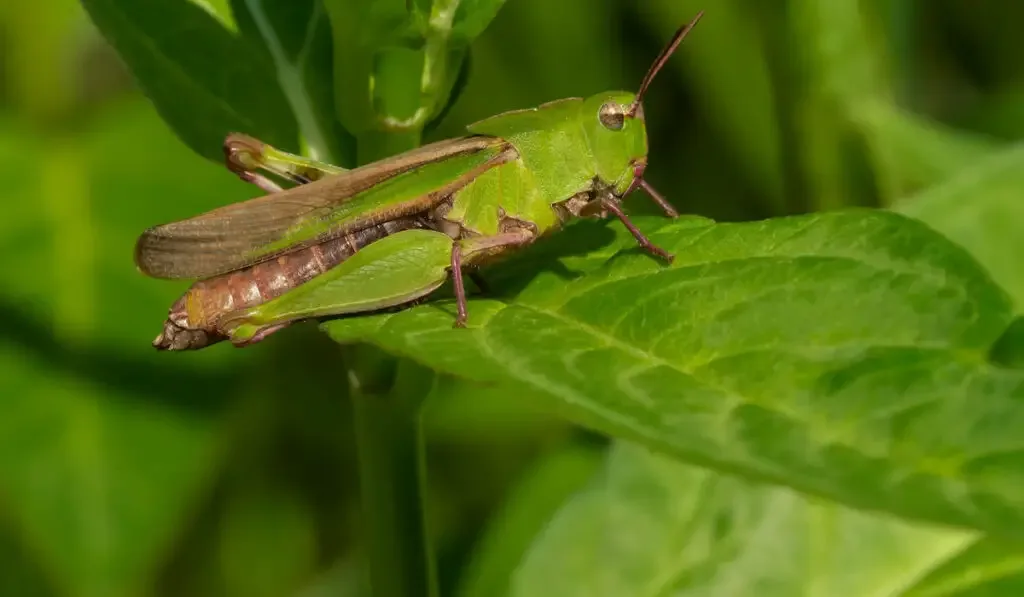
x: 612, y: 116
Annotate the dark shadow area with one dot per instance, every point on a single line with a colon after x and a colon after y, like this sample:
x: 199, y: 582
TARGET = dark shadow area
x: 510, y: 275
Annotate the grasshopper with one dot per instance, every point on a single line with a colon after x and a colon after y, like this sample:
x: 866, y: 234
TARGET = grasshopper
x: 389, y: 233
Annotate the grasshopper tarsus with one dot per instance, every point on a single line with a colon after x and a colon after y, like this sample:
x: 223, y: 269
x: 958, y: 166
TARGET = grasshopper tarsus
x: 658, y: 252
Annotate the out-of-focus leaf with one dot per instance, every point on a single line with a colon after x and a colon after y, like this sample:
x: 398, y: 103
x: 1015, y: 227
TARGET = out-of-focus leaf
x: 458, y: 410
x: 267, y: 543
x: 36, y: 40
x: 990, y: 28
x: 737, y: 101
x: 511, y: 75
x: 395, y: 64
x: 96, y: 480
x: 911, y: 152
x: 999, y: 114
x: 20, y: 572
x: 841, y: 354
x: 982, y: 208
x: 652, y: 526
x: 1009, y: 349
x: 832, y: 60
x: 526, y: 511
x: 103, y: 452
x: 204, y: 79
x: 297, y: 36
x: 987, y: 568
x: 472, y: 17
x: 343, y: 579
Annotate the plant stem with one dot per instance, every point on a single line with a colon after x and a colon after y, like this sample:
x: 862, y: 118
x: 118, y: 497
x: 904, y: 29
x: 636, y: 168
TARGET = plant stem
x: 386, y: 397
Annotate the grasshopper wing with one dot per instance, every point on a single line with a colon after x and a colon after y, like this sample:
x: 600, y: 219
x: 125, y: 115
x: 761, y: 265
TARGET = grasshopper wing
x: 241, y: 234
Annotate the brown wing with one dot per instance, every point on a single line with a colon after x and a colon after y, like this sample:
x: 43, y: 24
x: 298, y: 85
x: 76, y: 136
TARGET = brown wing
x: 224, y: 239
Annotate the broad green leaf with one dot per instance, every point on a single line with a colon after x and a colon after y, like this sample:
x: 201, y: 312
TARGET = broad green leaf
x: 981, y: 207
x: 842, y: 354
x: 297, y: 36
x: 650, y: 526
x: 204, y: 79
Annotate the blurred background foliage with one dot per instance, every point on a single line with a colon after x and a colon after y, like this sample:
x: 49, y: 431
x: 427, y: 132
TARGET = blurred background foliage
x: 124, y: 472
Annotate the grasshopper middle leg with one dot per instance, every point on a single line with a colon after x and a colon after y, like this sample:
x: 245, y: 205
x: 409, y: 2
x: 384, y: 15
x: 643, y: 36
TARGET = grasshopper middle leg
x: 468, y: 250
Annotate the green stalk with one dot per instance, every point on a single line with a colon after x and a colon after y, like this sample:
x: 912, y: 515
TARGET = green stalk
x: 387, y: 394
x: 386, y: 397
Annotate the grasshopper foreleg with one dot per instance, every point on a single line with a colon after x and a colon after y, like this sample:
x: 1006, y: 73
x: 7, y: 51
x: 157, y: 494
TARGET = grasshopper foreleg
x: 658, y: 198
x: 644, y: 242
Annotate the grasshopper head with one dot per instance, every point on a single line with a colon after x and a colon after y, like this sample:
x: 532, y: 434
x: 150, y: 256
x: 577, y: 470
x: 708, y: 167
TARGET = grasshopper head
x: 615, y: 127
x: 618, y: 138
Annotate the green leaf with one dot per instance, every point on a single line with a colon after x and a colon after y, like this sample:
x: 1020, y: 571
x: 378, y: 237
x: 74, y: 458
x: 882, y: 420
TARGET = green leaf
x: 472, y: 17
x: 204, y: 79
x: 103, y: 450
x: 651, y: 526
x: 986, y: 568
x: 841, y: 354
x: 1009, y: 349
x: 270, y: 524
x: 826, y: 58
x: 737, y: 101
x: 297, y: 36
x: 912, y: 152
x: 980, y: 207
x: 527, y: 509
x: 395, y: 64
x: 97, y: 481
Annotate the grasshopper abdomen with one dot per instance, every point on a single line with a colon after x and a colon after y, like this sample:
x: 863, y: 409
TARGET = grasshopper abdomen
x: 196, y: 319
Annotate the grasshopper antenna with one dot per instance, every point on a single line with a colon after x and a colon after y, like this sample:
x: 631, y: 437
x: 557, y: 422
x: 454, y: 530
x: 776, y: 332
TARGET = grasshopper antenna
x: 660, y: 62
x: 638, y: 181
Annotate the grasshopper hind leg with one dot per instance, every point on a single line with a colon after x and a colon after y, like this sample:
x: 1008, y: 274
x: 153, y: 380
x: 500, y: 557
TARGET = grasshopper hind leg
x: 246, y: 156
x: 469, y: 250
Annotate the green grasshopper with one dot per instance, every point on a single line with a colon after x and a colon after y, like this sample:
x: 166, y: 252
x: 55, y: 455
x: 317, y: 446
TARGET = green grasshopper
x: 389, y: 233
